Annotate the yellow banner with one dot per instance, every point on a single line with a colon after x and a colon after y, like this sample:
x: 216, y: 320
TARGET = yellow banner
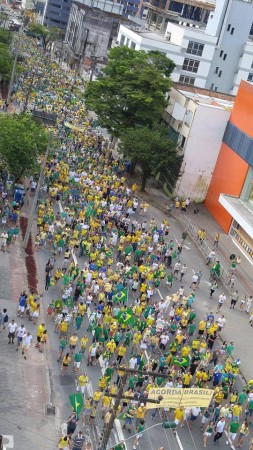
x: 173, y: 397
x: 73, y: 127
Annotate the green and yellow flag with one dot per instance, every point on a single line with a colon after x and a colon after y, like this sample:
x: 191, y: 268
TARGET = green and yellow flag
x: 76, y: 401
x: 126, y: 317
x: 121, y: 296
x: 183, y: 361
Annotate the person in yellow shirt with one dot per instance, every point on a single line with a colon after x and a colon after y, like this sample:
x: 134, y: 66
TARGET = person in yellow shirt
x: 179, y: 415
x: 82, y: 381
x: 186, y: 380
x: 73, y: 341
x: 64, y: 443
x: 97, y: 396
x: 121, y: 353
x: 186, y: 350
x: 81, y: 309
x: 40, y: 331
x: 83, y: 343
x: 111, y: 346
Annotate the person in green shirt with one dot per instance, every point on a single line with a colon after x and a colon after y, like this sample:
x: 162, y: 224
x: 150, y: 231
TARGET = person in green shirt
x: 233, y: 428
x: 229, y: 349
x: 192, y: 328
x: 140, y: 429
x: 78, y: 320
x: 127, y: 338
x: 77, y: 361
x: 62, y: 346
x: 242, y: 397
x: 132, y: 381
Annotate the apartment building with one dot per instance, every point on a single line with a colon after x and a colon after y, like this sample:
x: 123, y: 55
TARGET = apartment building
x: 197, y: 119
x: 211, y: 42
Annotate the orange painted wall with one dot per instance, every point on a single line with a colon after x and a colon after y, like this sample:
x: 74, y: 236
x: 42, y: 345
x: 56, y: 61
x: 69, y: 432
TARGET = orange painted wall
x: 242, y: 113
x: 228, y: 178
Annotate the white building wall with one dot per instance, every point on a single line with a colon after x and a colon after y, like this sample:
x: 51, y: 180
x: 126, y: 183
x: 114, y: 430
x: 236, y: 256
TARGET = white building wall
x: 201, y: 151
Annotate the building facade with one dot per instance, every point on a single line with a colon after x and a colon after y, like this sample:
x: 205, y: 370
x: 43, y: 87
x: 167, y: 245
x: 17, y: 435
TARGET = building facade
x: 92, y: 26
x: 230, y: 194
x: 56, y: 13
x: 212, y: 46
x: 188, y: 113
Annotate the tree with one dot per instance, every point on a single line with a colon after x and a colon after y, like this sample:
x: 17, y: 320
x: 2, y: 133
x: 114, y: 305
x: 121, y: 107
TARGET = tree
x: 22, y: 140
x: 6, y: 61
x: 5, y: 36
x: 48, y: 35
x: 152, y: 150
x: 132, y: 91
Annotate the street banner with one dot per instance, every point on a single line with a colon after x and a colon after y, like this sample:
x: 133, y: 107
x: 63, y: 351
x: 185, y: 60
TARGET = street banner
x: 76, y: 401
x: 176, y: 397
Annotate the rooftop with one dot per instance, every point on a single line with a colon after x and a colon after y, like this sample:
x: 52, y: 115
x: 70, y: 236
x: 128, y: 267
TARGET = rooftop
x: 204, y: 96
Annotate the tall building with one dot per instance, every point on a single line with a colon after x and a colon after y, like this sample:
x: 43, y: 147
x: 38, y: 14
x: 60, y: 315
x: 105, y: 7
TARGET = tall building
x: 210, y: 42
x: 230, y: 194
x: 56, y: 13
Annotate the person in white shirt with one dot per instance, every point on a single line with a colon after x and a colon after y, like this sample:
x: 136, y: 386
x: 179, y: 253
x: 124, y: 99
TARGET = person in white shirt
x: 219, y: 429
x: 26, y: 343
x: 132, y: 362
x: 194, y: 415
x: 12, y: 328
x: 222, y: 300
x: 21, y: 331
x: 221, y: 322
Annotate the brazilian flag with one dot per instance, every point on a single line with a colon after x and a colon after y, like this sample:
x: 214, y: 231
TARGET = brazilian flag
x: 183, y: 361
x: 121, y: 296
x: 76, y: 401
x: 126, y: 317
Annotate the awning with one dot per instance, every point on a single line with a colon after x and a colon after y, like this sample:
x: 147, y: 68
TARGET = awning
x: 240, y: 210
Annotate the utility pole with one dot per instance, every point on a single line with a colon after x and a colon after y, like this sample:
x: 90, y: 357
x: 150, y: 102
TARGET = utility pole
x: 29, y: 90
x: 106, y: 432
x: 30, y: 221
x: 13, y: 73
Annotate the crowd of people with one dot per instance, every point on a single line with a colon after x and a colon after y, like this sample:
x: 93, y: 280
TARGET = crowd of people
x: 108, y: 262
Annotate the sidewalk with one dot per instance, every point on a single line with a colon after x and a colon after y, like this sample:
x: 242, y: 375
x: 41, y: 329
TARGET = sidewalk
x: 25, y: 389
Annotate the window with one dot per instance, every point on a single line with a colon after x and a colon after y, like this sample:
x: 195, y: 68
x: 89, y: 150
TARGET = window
x: 221, y: 53
x: 250, y: 77
x: 186, y: 80
x: 216, y: 70
x: 232, y: 31
x: 224, y: 57
x: 133, y: 45
x: 252, y: 65
x: 181, y: 141
x: 228, y: 28
x: 127, y: 42
x: 188, y: 117
x: 212, y: 87
x: 220, y: 73
x: 122, y: 40
x: 190, y: 65
x: 194, y: 48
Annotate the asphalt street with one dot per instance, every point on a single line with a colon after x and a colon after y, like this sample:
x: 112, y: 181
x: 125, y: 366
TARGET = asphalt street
x: 154, y: 438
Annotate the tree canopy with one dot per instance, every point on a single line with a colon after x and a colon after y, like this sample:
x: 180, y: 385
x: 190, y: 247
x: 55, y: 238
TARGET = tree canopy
x: 152, y: 150
x: 132, y: 91
x: 22, y: 140
x: 5, y: 36
x: 47, y: 35
x: 6, y: 62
